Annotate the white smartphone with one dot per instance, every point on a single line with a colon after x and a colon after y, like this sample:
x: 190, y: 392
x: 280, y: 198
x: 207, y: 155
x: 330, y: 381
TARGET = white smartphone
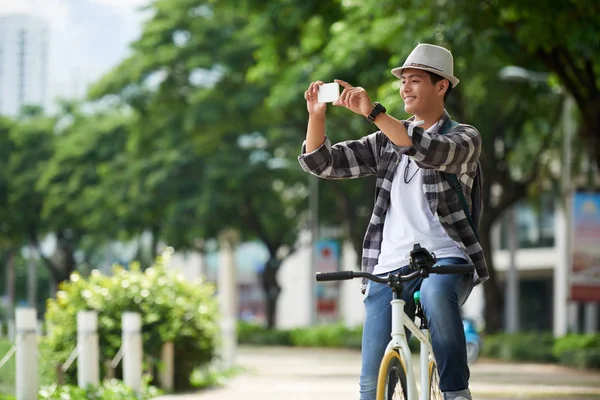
x: 329, y: 92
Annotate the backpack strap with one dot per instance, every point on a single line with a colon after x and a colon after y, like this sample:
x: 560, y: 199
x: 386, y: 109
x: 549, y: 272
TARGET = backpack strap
x: 453, y: 181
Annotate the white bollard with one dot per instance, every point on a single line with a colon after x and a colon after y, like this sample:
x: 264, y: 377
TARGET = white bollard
x: 27, y: 363
x: 167, y: 372
x: 88, y: 365
x: 227, y: 287
x: 132, y: 350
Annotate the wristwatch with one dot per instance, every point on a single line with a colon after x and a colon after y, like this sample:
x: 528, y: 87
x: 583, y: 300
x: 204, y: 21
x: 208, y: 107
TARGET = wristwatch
x: 378, y: 108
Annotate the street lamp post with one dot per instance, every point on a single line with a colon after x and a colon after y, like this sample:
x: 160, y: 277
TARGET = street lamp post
x: 314, y: 232
x: 563, y: 220
x: 511, y: 298
x: 561, y: 274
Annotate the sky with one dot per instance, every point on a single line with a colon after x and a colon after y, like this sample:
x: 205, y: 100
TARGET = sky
x: 87, y: 38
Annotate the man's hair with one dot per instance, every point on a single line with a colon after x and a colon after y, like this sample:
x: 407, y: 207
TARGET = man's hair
x: 435, y: 78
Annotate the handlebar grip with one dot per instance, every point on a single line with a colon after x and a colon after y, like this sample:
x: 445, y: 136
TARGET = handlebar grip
x: 453, y: 269
x: 334, y: 276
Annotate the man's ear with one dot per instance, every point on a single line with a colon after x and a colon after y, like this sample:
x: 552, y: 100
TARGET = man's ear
x: 444, y: 84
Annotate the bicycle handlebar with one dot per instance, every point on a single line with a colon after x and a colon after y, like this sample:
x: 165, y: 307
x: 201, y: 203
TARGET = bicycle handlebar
x: 441, y: 269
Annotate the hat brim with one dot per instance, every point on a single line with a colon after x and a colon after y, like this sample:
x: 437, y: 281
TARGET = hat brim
x: 453, y: 80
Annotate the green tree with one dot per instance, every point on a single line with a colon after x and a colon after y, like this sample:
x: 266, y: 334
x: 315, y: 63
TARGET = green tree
x: 33, y: 142
x: 6, y: 148
x: 361, y: 43
x: 10, y: 239
x: 83, y: 199
x: 249, y: 188
x: 563, y: 37
x: 204, y: 163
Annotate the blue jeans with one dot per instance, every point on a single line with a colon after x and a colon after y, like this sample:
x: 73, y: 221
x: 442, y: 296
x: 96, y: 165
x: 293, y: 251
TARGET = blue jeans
x: 441, y: 297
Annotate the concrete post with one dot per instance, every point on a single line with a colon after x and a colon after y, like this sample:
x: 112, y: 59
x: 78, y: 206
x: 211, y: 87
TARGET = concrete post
x: 132, y: 350
x: 227, y: 289
x: 88, y: 366
x: 27, y: 363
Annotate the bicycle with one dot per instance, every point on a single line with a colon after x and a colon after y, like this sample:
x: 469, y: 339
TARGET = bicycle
x: 396, y: 378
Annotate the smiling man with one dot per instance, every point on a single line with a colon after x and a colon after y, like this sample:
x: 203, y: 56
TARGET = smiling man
x: 414, y: 161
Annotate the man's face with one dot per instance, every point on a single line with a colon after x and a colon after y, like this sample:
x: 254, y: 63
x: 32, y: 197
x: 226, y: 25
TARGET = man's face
x: 418, y: 92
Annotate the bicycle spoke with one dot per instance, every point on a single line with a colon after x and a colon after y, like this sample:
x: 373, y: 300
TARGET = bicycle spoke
x: 435, y: 393
x: 398, y: 393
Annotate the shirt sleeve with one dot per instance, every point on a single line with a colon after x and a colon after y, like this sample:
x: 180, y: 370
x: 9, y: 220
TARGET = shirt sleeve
x: 349, y: 159
x: 456, y: 152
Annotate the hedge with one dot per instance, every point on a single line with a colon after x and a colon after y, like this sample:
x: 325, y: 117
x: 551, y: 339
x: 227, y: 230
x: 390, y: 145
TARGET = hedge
x: 579, y: 351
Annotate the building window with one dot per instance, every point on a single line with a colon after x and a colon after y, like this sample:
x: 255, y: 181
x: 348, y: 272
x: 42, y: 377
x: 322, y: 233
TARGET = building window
x: 534, y: 224
x: 21, y: 93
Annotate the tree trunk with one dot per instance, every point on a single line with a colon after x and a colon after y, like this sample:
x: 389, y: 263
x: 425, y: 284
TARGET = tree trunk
x: 154, y: 245
x: 10, y: 284
x: 63, y: 263
x: 32, y: 276
x: 591, y: 123
x: 494, y: 300
x: 271, y: 290
x: 66, y: 256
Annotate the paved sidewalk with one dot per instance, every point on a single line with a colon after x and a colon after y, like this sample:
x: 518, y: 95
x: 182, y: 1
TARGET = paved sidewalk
x: 325, y: 374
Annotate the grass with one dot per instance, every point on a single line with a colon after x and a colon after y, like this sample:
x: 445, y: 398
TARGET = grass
x: 8, y: 371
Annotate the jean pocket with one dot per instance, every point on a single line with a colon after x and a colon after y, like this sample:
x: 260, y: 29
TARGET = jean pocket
x: 468, y: 284
x: 367, y: 290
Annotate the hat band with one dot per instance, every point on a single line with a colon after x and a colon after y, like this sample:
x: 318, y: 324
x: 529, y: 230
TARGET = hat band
x: 423, y: 66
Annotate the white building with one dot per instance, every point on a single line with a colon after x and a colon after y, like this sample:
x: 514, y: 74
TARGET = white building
x: 23, y: 62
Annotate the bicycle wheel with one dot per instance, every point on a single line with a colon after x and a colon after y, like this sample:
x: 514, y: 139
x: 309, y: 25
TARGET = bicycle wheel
x: 391, y: 382
x: 434, y: 383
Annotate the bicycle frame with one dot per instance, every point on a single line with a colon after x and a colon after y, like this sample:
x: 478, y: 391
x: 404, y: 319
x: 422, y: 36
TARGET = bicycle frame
x: 422, y: 263
x: 399, y: 342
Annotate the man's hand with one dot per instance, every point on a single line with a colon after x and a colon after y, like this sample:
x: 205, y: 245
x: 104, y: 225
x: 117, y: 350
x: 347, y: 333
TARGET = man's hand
x: 355, y: 99
x: 312, y: 103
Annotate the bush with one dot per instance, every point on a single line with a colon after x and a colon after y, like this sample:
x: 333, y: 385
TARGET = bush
x: 580, y: 351
x: 108, y: 390
x: 533, y: 347
x: 172, y: 309
x: 258, y: 335
x: 337, y: 335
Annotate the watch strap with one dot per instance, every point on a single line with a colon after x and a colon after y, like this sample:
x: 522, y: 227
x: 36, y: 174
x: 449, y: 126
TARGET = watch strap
x: 378, y: 108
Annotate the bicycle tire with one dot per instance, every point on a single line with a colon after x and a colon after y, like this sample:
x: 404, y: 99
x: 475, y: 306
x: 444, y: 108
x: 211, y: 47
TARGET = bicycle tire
x: 391, y: 382
x: 435, y: 393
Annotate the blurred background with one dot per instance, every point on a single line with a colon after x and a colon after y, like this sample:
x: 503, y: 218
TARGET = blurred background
x: 135, y: 129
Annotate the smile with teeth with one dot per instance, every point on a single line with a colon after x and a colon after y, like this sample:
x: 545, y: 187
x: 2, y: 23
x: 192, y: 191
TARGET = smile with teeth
x: 409, y: 98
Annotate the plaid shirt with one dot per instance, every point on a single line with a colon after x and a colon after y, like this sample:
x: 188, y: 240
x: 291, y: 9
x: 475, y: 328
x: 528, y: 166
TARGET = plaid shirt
x: 456, y: 152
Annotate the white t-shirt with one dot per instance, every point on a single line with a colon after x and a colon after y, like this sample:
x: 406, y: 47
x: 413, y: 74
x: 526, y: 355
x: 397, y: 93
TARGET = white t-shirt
x: 409, y: 220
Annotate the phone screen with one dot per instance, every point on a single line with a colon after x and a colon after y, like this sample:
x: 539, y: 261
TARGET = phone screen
x: 329, y: 92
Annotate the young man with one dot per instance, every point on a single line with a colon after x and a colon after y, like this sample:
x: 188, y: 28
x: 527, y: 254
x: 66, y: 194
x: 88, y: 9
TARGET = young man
x: 414, y: 203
